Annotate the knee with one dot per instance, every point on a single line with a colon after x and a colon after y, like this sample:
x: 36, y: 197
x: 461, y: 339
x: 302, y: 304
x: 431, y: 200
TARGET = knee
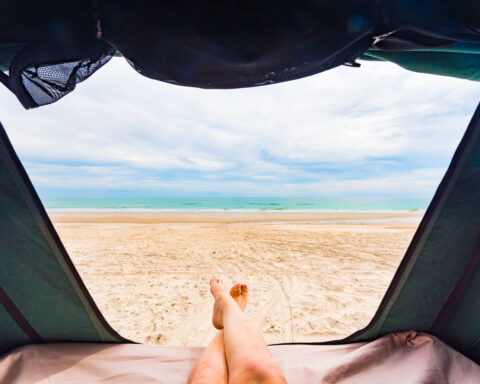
x: 212, y: 378
x: 207, y: 375
x: 198, y: 381
x: 258, y: 371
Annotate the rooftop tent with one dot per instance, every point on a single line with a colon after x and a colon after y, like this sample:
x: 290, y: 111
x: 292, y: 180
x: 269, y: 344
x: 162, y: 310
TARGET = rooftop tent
x: 48, y: 47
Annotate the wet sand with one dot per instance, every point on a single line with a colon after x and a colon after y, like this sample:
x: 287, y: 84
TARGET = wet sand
x: 312, y: 276
x: 219, y: 217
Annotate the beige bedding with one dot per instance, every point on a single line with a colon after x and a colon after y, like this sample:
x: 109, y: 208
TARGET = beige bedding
x: 407, y: 357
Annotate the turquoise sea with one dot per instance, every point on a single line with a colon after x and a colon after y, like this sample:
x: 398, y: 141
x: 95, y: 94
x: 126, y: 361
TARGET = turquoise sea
x: 179, y: 204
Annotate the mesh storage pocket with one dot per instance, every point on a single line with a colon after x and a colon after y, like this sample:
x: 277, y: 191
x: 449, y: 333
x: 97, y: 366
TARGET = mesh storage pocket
x: 47, y: 83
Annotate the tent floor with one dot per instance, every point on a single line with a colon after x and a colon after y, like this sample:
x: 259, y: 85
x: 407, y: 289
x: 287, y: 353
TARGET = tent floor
x: 406, y: 357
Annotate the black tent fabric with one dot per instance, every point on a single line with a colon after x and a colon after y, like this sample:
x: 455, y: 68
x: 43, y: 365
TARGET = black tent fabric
x: 48, y: 47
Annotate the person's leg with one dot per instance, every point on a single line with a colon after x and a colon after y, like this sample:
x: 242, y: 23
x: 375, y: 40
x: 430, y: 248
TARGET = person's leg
x: 211, y: 367
x: 248, y: 358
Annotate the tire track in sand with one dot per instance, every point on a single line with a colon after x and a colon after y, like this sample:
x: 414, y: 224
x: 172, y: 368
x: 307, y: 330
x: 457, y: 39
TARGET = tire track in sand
x: 287, y: 326
x: 260, y: 319
x: 187, y: 327
x: 280, y: 293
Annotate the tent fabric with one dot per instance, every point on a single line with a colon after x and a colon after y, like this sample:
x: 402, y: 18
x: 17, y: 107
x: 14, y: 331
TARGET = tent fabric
x: 48, y: 47
x: 402, y: 358
x: 42, y: 297
x: 463, y: 62
x: 218, y: 44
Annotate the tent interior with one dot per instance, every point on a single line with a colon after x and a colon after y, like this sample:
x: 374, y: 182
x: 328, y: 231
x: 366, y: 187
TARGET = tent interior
x: 52, y: 330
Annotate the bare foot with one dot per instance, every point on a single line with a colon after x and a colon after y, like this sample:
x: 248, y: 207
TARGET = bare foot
x: 221, y: 297
x: 239, y: 292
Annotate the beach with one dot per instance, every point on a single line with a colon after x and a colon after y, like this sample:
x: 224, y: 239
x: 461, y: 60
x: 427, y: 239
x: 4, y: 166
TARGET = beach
x: 313, y: 276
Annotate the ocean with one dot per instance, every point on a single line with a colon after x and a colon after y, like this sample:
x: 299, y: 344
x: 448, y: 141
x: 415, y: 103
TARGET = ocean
x: 236, y: 204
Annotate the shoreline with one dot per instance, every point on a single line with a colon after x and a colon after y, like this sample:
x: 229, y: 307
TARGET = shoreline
x: 195, y: 217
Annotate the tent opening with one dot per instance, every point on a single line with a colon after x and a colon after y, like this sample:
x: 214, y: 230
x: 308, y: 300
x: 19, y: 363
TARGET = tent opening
x: 309, y: 191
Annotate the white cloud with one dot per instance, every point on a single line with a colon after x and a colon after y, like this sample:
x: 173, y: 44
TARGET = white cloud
x: 377, y: 129
x: 419, y: 182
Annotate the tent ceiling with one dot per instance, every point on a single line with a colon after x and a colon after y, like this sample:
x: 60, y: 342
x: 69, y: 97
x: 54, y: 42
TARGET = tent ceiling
x: 47, y: 48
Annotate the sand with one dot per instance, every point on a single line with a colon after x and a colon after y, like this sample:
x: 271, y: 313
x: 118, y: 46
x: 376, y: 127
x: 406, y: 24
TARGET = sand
x: 312, y: 277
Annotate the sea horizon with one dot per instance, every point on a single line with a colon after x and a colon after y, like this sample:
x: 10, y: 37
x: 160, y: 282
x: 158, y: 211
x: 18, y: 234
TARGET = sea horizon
x: 236, y: 204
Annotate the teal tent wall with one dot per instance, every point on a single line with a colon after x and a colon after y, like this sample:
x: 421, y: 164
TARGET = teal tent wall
x: 42, y: 298
x: 437, y: 286
x: 456, y: 60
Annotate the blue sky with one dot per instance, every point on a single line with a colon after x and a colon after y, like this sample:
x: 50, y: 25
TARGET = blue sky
x: 374, y: 131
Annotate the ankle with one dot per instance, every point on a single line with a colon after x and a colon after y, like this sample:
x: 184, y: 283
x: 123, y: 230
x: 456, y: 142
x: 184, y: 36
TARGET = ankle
x: 229, y: 304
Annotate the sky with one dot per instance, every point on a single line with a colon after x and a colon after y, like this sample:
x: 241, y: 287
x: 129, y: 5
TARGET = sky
x: 378, y: 130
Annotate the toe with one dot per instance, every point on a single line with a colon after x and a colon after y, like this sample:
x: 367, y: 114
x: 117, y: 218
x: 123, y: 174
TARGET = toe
x: 216, y: 286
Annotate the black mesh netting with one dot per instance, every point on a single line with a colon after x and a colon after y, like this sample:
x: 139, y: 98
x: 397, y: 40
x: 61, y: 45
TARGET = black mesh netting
x: 47, y: 83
